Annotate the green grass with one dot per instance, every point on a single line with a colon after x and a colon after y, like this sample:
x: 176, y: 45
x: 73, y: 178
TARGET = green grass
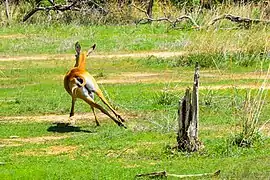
x: 113, y: 153
x: 56, y: 38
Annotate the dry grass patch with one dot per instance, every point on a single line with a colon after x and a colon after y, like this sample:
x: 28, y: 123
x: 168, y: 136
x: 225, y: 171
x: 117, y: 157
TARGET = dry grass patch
x: 31, y: 140
x: 13, y: 36
x: 265, y: 129
x: 18, y: 86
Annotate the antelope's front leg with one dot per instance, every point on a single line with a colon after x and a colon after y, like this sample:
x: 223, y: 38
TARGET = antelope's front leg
x: 71, y: 114
x: 72, y: 107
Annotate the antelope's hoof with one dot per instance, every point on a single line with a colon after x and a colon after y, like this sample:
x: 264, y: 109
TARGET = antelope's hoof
x: 122, y: 125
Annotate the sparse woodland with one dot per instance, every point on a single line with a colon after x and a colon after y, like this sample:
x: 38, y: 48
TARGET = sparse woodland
x: 132, y: 11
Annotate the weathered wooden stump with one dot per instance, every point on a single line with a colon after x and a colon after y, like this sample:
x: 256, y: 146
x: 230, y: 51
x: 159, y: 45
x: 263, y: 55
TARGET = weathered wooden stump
x: 188, y: 118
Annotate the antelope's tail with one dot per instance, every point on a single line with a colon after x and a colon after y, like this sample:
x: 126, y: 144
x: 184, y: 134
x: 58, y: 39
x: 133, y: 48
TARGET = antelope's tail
x: 79, y: 80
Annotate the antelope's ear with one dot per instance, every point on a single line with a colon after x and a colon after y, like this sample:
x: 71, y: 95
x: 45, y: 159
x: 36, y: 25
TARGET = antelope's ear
x: 91, y: 49
x: 94, y: 47
x: 77, y: 48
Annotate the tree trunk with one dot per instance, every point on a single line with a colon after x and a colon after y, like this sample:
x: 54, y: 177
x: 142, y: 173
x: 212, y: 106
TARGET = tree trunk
x: 188, y: 117
x: 150, y: 9
x: 7, y: 10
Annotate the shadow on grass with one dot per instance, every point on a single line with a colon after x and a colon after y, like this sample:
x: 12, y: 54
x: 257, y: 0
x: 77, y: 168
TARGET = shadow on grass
x: 66, y: 129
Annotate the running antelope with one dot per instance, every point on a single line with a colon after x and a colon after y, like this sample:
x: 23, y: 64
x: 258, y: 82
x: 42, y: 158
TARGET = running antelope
x: 80, y: 84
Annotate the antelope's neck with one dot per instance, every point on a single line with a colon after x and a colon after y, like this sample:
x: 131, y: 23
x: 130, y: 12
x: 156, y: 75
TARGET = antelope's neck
x: 80, y: 61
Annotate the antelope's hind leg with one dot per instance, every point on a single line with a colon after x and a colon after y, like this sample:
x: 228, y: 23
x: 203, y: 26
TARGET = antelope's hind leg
x: 93, y: 104
x: 104, y: 100
x: 93, y: 109
x: 72, y: 107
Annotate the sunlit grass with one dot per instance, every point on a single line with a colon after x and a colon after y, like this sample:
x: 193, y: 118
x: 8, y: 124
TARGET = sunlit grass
x: 109, y: 152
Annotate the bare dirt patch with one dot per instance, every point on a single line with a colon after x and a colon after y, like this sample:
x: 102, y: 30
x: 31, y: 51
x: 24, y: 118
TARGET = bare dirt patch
x: 32, y: 140
x: 97, y: 56
x: 128, y: 78
x: 52, y: 150
x: 36, y: 57
x: 240, y: 86
x: 236, y: 76
x: 49, y: 118
x: 85, y: 117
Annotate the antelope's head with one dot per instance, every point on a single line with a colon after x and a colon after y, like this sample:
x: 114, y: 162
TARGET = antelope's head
x: 81, y: 56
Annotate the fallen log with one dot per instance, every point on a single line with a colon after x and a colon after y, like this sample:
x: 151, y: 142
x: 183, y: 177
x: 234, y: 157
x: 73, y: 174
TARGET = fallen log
x: 165, y: 174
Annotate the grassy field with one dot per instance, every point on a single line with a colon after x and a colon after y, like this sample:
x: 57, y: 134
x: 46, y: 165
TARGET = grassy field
x: 146, y: 90
x: 54, y: 38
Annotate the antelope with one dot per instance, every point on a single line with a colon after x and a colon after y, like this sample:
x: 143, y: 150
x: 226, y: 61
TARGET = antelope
x: 80, y: 84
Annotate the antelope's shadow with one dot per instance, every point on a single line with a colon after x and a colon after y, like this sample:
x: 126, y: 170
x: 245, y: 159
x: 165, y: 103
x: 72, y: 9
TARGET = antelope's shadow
x: 66, y: 128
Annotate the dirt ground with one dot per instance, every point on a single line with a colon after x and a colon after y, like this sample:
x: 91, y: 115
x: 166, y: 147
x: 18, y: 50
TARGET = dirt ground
x: 94, y: 56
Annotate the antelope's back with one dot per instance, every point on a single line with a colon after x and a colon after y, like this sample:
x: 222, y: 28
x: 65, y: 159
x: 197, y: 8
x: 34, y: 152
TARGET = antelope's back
x: 90, y: 82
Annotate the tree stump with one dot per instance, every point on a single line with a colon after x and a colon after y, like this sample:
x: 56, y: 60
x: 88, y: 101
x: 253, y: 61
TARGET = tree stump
x: 188, y: 118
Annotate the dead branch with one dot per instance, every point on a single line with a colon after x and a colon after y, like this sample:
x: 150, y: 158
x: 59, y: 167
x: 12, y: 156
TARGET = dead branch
x: 147, y: 20
x: 172, y: 22
x: 153, y: 174
x: 165, y: 174
x: 181, y: 18
x: 238, y: 19
x: 140, y: 9
x: 55, y: 7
